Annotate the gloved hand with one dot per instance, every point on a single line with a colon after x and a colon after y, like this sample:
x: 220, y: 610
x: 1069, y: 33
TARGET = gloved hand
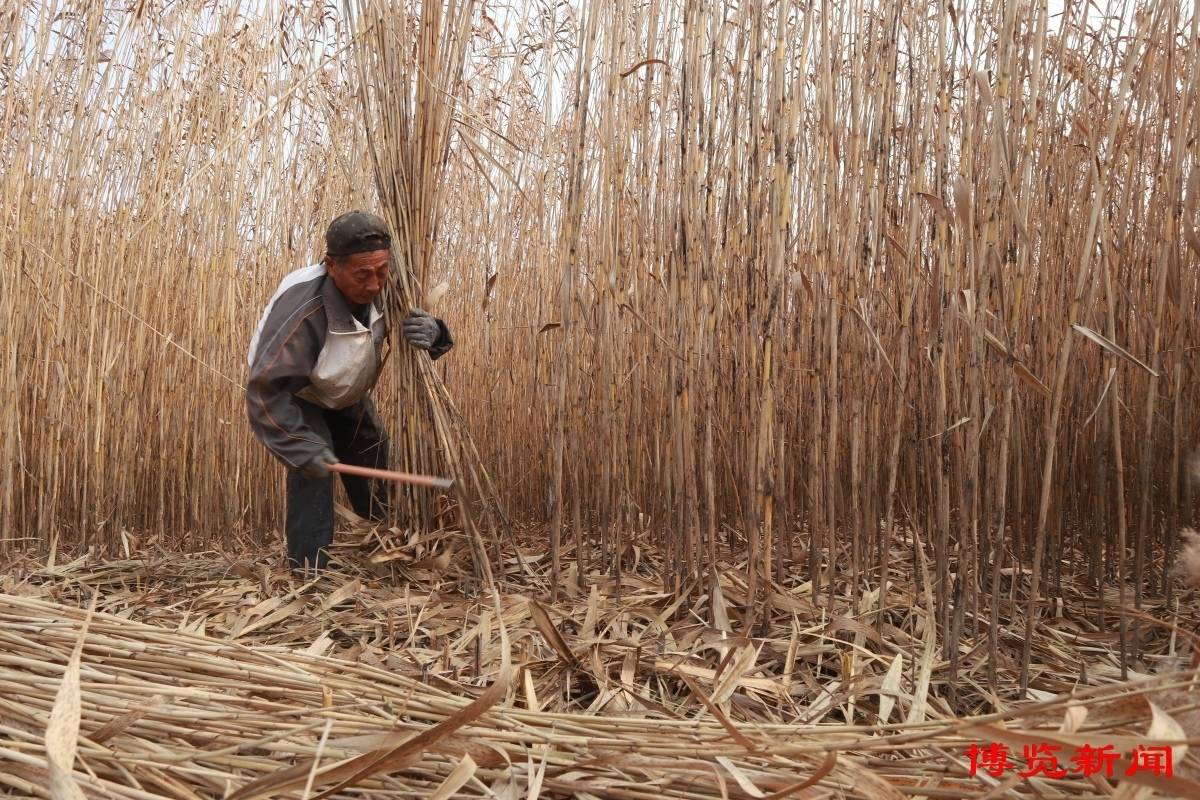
x: 318, y: 465
x: 420, y: 329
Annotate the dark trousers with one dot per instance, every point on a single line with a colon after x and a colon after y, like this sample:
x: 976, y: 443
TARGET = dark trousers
x: 357, y: 437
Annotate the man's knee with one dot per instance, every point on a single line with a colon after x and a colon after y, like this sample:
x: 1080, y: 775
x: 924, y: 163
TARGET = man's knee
x: 361, y: 438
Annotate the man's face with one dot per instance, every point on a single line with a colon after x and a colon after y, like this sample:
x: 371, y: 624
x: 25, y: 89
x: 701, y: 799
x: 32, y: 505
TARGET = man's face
x: 360, y: 276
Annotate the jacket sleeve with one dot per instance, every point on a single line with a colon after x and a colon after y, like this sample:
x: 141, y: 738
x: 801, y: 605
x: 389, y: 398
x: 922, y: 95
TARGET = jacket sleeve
x: 443, y: 343
x: 288, y: 350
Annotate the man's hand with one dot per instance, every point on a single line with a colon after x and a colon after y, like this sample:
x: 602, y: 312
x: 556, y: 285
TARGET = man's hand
x: 318, y: 465
x: 420, y: 329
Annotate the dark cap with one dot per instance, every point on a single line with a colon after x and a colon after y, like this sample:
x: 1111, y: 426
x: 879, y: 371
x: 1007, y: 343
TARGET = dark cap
x: 357, y: 232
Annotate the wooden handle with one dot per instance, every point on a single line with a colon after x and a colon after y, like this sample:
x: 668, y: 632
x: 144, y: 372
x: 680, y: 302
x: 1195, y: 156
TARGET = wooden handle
x: 388, y: 475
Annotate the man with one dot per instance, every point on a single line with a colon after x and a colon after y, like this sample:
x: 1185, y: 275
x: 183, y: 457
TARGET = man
x: 314, y: 358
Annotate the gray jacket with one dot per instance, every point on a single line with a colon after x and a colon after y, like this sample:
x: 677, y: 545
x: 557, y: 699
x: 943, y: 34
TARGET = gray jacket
x: 308, y: 345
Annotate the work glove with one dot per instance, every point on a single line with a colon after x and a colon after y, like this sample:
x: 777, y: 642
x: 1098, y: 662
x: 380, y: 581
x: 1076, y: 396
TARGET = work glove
x: 318, y: 465
x: 420, y: 329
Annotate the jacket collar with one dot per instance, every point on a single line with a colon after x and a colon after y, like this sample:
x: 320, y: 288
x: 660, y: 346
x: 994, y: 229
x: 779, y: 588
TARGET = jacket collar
x: 337, y: 310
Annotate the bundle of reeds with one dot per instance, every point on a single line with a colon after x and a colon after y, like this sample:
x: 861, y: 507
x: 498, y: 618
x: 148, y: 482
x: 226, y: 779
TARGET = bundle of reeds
x: 409, y: 66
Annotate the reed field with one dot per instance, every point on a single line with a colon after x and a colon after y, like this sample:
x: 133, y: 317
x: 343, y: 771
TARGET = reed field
x: 842, y: 353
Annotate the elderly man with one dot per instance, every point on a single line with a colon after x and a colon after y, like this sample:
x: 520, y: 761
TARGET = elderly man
x: 314, y: 358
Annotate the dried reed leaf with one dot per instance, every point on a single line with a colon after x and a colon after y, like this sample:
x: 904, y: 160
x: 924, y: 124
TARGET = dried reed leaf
x: 853, y: 625
x: 319, y: 645
x: 1030, y: 379
x: 438, y: 563
x: 742, y: 779
x: 537, y: 775
x: 488, y: 284
x: 270, y: 619
x: 62, y: 729
x: 644, y: 62
x: 119, y: 724
x: 962, y: 201
x: 890, y: 688
x: 456, y: 779
x: 341, y: 594
x: 434, y: 296
x: 720, y: 715
x: 531, y: 701
x: 935, y: 202
x: 1073, y: 718
x: 729, y: 680
x: 684, y: 668
x: 1112, y: 347
x: 984, y: 86
x: 720, y: 611
x: 917, y: 711
x: 553, y: 637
